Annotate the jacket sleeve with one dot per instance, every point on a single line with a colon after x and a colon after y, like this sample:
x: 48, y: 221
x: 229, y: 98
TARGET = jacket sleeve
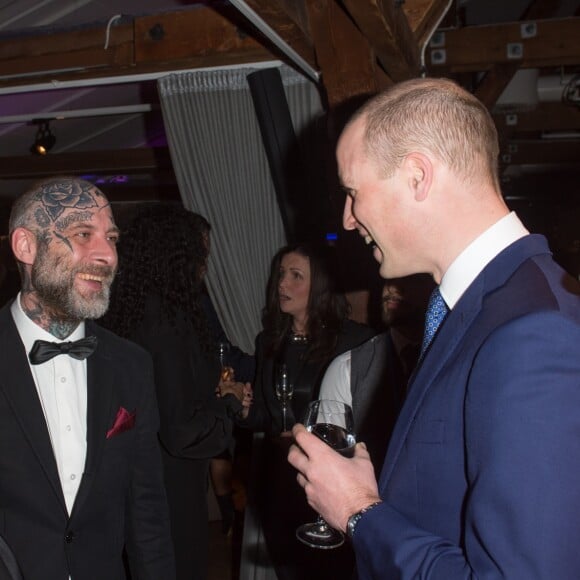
x: 194, y: 423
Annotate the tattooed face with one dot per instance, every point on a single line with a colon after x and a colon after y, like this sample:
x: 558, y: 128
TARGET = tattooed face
x: 78, y: 290
x: 76, y: 255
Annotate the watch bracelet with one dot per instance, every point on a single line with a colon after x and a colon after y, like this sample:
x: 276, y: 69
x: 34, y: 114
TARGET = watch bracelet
x: 354, y: 518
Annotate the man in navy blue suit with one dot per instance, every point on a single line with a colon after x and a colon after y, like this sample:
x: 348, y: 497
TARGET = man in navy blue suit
x: 482, y: 474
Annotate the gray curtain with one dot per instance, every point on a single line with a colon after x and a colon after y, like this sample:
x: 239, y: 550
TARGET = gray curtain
x: 222, y: 172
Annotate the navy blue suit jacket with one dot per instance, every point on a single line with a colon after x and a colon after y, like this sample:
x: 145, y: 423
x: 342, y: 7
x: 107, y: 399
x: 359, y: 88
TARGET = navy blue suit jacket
x: 482, y: 475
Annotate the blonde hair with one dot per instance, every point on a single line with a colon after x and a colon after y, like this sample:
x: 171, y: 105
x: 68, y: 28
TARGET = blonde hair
x: 434, y: 116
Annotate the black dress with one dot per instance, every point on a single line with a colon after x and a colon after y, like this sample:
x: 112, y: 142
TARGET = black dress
x: 194, y: 427
x: 283, y: 505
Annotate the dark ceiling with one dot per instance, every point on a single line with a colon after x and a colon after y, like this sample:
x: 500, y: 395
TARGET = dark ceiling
x: 90, y: 67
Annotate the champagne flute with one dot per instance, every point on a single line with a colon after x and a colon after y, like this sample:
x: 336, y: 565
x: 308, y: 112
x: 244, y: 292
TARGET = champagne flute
x: 331, y: 421
x: 227, y: 372
x: 284, y: 391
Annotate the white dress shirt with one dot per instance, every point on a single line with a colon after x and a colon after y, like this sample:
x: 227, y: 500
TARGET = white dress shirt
x: 61, y: 383
x: 336, y: 381
x: 468, y: 265
x: 462, y: 272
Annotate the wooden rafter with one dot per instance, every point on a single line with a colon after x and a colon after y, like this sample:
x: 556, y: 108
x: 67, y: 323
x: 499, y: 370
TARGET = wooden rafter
x: 125, y: 161
x: 554, y: 152
x: 288, y: 18
x: 546, y: 117
x: 494, y: 83
x: 499, y: 75
x: 342, y: 52
x: 195, y: 38
x: 479, y: 48
x: 423, y: 16
x: 539, y: 9
x: 387, y: 30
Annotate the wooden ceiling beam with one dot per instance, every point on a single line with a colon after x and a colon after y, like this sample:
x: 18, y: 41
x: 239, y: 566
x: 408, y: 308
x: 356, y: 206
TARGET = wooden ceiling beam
x: 126, y: 161
x: 500, y: 74
x: 75, y: 50
x: 387, y: 30
x: 494, y: 83
x: 289, y: 19
x: 478, y: 48
x: 199, y: 34
x: 539, y: 9
x: 344, y: 56
x: 547, y: 117
x: 547, y: 151
x: 423, y: 17
x: 194, y: 38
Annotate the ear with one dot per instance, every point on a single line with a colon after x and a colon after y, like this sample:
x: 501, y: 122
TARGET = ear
x: 23, y: 244
x: 419, y: 174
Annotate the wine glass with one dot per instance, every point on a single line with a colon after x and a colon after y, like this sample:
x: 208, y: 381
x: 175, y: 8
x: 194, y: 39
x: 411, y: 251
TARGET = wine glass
x: 227, y: 372
x: 331, y: 421
x: 284, y: 391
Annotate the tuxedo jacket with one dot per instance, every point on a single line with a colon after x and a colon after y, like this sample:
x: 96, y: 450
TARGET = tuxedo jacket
x: 121, y: 499
x: 482, y: 474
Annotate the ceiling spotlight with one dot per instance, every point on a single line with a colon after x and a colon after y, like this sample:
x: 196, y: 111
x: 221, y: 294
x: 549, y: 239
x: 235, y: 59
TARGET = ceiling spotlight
x: 44, y: 140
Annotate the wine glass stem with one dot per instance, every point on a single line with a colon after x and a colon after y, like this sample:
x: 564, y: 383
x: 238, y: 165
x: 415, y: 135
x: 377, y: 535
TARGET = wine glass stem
x: 321, y: 523
x: 284, y: 417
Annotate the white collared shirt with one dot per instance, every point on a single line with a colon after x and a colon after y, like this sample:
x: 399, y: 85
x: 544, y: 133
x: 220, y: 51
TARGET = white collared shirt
x: 469, y: 264
x: 336, y: 380
x: 61, y: 384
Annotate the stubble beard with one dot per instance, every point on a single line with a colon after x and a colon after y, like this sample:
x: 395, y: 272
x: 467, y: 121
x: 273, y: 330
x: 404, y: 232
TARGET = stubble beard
x: 54, y: 284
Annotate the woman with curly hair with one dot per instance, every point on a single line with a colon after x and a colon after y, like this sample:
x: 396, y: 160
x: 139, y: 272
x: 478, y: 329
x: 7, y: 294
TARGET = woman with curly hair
x: 305, y: 326
x: 157, y: 301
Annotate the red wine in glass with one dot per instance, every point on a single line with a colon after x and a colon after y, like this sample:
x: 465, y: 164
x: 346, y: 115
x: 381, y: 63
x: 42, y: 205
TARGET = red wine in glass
x: 331, y: 421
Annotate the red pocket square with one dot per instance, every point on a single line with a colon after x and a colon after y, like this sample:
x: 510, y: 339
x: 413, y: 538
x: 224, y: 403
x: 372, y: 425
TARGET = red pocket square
x: 123, y: 422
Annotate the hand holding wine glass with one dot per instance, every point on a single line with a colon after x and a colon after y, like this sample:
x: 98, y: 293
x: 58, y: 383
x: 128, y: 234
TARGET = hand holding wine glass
x: 331, y: 421
x: 227, y: 372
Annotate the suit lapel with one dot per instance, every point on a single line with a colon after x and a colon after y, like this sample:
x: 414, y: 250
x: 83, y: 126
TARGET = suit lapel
x: 450, y: 336
x: 100, y: 385
x: 20, y: 391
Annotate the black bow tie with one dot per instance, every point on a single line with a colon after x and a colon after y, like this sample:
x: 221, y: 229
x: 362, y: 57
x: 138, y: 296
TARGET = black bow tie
x: 43, y: 350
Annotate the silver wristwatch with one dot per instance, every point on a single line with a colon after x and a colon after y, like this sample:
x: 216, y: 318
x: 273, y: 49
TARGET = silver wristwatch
x: 354, y: 519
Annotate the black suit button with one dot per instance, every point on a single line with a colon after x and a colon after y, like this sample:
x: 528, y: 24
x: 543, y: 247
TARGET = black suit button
x: 69, y: 538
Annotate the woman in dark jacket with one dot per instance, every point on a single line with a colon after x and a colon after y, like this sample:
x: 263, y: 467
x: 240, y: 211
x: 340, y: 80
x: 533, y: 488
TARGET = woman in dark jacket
x: 305, y: 326
x: 157, y: 302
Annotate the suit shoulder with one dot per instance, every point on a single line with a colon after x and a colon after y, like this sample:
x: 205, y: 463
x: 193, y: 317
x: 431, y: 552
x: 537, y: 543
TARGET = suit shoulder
x: 115, y: 343
x: 377, y: 342
x: 540, y: 285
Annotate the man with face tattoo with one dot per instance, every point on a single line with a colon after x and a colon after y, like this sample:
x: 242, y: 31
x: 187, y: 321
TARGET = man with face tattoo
x: 80, y: 474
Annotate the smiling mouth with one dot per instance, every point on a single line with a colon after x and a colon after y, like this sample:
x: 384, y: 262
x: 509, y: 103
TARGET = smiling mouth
x: 370, y: 242
x: 92, y: 278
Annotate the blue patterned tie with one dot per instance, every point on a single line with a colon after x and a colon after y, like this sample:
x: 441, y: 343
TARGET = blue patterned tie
x: 436, y: 312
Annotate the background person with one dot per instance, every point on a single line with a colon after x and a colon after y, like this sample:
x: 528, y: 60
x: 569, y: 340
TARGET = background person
x: 80, y: 473
x: 481, y: 474
x: 372, y: 377
x: 157, y: 302
x: 305, y: 325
